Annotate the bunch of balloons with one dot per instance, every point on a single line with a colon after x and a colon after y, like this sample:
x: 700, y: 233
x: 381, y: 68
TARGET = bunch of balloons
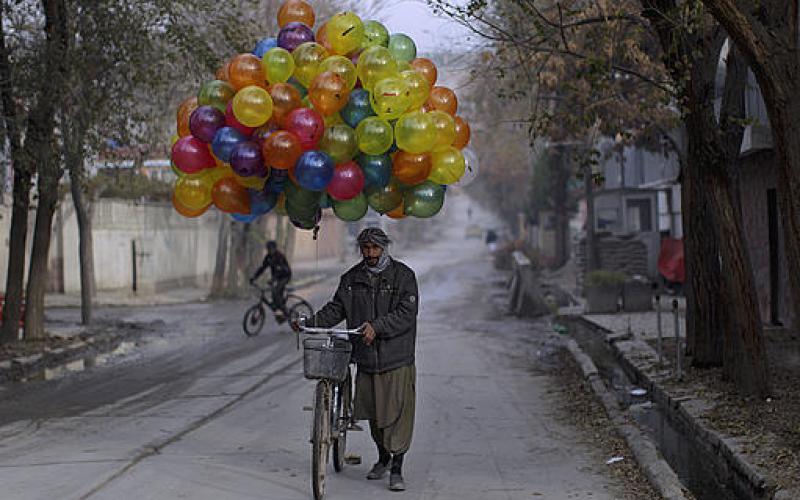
x: 344, y: 118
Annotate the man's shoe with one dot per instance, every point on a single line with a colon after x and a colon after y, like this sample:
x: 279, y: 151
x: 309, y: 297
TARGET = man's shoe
x: 396, y: 482
x: 378, y: 471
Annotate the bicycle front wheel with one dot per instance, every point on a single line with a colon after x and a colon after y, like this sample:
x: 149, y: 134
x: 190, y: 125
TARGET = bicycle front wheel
x: 320, y: 438
x: 298, y: 308
x: 342, y: 418
x: 254, y: 320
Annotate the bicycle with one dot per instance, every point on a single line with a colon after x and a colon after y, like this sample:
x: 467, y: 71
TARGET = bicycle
x: 254, y: 318
x: 328, y: 360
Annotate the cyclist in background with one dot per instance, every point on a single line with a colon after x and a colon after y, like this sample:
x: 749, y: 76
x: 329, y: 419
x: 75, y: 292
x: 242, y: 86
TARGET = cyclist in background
x: 281, y: 275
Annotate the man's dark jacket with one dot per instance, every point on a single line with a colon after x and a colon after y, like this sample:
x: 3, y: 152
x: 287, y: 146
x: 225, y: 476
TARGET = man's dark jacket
x: 390, y: 306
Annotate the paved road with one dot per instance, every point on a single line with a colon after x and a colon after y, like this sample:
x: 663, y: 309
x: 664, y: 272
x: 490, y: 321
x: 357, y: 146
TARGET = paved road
x: 203, y: 413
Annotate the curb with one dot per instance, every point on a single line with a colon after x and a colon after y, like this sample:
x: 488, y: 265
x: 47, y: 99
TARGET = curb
x: 638, y: 359
x: 657, y: 470
x: 75, y: 357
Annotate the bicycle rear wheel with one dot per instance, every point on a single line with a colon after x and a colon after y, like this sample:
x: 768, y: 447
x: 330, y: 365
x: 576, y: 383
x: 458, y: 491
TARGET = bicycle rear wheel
x: 342, y: 416
x: 254, y: 320
x: 298, y: 307
x: 320, y: 438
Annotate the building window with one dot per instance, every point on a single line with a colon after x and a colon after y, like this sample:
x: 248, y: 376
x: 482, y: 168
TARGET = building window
x: 640, y: 217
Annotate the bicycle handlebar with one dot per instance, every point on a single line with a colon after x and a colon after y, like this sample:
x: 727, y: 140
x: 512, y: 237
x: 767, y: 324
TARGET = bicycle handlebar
x: 331, y: 331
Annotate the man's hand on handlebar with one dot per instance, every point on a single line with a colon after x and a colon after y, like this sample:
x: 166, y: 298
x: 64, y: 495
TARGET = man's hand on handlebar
x: 369, y: 333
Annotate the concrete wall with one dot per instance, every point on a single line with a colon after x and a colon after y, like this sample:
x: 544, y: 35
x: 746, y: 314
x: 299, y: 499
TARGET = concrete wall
x: 170, y: 250
x: 756, y: 176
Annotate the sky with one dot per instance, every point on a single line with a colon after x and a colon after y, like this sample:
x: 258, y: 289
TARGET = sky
x: 430, y: 32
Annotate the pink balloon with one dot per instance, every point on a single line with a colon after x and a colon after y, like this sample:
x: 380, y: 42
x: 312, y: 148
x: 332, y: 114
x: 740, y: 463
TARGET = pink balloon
x: 307, y: 125
x: 347, y: 182
x: 191, y: 155
x: 231, y: 121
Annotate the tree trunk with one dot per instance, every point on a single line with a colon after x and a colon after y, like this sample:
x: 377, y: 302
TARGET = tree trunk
x: 37, y: 273
x: 218, y: 280
x: 704, y: 314
x: 85, y: 240
x: 12, y: 308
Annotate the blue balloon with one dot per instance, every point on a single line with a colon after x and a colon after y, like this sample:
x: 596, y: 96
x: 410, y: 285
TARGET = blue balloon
x: 276, y: 181
x: 263, y: 46
x: 225, y: 140
x: 377, y: 169
x: 247, y: 219
x: 357, y: 108
x: 299, y: 86
x: 261, y: 202
x: 314, y: 170
x: 325, y: 201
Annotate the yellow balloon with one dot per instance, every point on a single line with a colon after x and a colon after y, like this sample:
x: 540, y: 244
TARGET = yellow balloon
x: 251, y: 182
x: 193, y: 193
x: 390, y: 98
x: 448, y: 166
x: 374, y: 65
x: 252, y: 106
x: 418, y: 88
x: 445, y: 127
x: 345, y: 32
x: 174, y: 139
x: 375, y: 135
x: 334, y: 119
x: 307, y: 58
x: 403, y: 66
x: 415, y: 132
x: 341, y: 66
x: 278, y: 65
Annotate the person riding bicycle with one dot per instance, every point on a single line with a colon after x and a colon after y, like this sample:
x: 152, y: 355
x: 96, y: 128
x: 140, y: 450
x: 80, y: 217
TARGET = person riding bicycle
x: 380, y: 295
x: 281, y: 275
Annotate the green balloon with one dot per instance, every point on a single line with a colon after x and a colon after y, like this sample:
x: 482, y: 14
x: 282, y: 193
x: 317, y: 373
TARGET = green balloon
x: 387, y: 198
x: 402, y: 47
x: 340, y: 142
x: 299, y: 200
x: 424, y: 200
x: 351, y: 210
x: 215, y: 93
x: 375, y: 34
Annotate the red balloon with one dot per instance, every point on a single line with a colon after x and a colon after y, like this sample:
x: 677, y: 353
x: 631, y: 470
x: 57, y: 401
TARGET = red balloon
x: 347, y: 182
x: 307, y: 125
x: 231, y: 121
x: 191, y: 155
x: 230, y: 196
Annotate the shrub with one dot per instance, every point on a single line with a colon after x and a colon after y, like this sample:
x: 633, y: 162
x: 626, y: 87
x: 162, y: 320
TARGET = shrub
x: 602, y: 277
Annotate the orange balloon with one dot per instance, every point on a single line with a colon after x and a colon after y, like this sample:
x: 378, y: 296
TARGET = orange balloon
x: 426, y: 68
x: 397, y: 213
x: 285, y: 99
x: 185, y: 111
x: 230, y: 196
x: 186, y: 211
x: 411, y: 169
x: 322, y: 38
x: 223, y: 73
x: 443, y: 99
x: 296, y: 11
x: 246, y: 70
x: 328, y: 93
x: 463, y: 133
x: 281, y: 150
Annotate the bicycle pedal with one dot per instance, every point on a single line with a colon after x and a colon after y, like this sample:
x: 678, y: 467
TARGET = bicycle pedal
x: 355, y: 427
x: 352, y: 459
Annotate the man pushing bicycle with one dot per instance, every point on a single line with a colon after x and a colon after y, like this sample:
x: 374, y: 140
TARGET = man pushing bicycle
x: 380, y: 295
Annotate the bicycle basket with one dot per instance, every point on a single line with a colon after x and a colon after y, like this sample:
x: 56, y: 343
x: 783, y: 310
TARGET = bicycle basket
x: 324, y: 360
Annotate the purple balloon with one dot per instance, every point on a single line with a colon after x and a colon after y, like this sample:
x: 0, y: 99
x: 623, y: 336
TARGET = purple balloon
x: 205, y: 121
x: 246, y: 160
x: 293, y: 35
